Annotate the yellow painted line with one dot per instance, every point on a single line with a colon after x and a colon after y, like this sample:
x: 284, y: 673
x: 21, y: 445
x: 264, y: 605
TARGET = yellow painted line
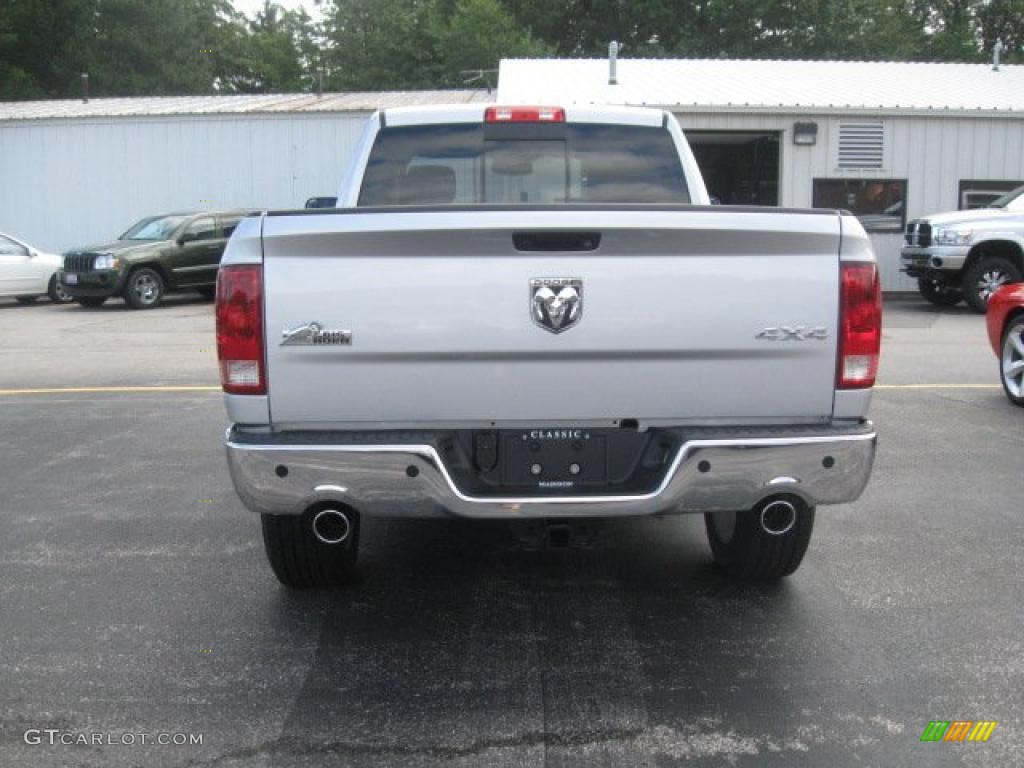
x: 937, y: 386
x: 103, y: 390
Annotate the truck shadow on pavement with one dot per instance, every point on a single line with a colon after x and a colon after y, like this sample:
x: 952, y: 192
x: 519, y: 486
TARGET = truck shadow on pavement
x: 459, y: 646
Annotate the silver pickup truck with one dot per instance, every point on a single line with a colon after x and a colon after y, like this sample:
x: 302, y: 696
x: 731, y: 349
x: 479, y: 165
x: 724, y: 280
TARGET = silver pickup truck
x: 533, y: 312
x: 967, y: 255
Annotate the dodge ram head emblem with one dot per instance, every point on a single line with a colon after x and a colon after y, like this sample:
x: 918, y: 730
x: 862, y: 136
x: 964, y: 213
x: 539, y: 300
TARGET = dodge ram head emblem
x: 556, y: 303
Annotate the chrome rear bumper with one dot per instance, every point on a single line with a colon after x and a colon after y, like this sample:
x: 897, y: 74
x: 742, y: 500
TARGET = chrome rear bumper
x: 410, y: 479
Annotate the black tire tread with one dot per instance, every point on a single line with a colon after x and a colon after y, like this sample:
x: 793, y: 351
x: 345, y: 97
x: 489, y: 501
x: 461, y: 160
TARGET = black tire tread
x: 754, y: 555
x: 300, y: 561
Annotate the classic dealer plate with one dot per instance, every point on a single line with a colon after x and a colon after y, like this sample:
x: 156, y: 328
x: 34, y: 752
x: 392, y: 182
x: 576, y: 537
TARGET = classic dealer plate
x: 554, y: 458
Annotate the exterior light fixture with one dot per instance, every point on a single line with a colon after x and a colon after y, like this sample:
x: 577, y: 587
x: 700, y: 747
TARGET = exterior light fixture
x: 805, y: 134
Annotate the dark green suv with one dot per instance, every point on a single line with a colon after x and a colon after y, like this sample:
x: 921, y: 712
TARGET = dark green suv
x: 176, y: 251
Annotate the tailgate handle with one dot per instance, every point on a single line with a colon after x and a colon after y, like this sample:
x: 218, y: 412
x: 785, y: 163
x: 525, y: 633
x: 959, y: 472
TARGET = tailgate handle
x: 556, y: 241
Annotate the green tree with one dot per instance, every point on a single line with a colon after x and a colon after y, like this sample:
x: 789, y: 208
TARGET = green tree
x: 398, y: 44
x: 478, y: 34
x: 41, y: 47
x: 878, y: 29
x: 382, y: 44
x: 276, y: 52
x: 147, y: 47
x: 1003, y: 20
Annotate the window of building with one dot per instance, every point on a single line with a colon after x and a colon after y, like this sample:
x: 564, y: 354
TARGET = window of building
x: 975, y: 193
x: 880, y: 204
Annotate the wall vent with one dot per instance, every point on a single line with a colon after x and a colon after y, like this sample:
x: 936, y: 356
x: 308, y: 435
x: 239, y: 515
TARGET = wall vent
x: 861, y: 144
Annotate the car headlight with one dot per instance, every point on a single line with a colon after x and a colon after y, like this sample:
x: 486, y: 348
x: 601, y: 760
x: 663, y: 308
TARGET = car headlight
x: 106, y: 261
x: 942, y: 236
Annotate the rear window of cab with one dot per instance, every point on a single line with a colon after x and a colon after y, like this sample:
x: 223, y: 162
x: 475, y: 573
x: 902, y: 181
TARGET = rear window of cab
x: 469, y: 164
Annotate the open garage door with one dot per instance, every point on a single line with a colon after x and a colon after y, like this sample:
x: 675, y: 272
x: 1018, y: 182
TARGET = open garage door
x: 739, y: 168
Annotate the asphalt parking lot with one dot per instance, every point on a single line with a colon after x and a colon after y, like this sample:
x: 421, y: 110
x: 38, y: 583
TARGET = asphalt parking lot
x: 135, y: 597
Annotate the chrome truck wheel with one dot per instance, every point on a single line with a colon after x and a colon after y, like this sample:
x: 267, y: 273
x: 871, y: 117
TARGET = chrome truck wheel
x: 985, y: 277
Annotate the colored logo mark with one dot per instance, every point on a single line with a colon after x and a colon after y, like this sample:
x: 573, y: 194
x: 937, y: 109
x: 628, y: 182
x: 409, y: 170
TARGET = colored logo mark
x: 959, y: 730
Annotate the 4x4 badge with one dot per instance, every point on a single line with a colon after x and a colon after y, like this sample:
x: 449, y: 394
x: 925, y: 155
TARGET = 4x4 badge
x: 793, y: 333
x: 556, y: 303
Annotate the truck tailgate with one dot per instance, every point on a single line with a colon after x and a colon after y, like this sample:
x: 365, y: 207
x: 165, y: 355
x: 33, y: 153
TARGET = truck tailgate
x: 674, y: 307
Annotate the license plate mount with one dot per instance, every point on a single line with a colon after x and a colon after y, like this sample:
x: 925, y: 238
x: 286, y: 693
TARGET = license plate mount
x: 554, y: 458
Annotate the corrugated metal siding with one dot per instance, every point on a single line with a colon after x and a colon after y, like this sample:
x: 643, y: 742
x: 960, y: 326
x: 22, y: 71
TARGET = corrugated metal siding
x: 164, y: 106
x: 932, y: 154
x: 72, y: 183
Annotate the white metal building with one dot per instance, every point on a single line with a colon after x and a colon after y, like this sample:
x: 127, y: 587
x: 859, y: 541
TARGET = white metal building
x: 76, y: 173
x: 890, y: 141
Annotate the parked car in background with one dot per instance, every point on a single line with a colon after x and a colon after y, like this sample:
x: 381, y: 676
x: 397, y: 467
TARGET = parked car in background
x: 1005, y: 321
x: 967, y: 255
x: 170, y: 252
x: 26, y: 273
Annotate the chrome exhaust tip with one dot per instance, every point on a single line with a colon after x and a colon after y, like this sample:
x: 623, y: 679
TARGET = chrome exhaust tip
x: 778, y: 517
x: 331, y: 526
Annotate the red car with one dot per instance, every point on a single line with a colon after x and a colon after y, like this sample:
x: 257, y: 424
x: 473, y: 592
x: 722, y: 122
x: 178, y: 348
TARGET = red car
x: 1005, y: 320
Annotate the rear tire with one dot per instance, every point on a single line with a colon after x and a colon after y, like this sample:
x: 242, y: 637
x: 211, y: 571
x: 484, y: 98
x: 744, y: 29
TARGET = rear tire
x: 985, y: 276
x: 145, y: 289
x: 745, y: 550
x: 300, y: 560
x: 939, y: 293
x: 56, y: 292
x: 91, y: 301
x: 1010, y: 361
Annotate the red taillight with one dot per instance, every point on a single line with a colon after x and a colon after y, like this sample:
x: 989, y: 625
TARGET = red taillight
x: 860, y: 325
x: 524, y: 115
x: 240, y: 329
